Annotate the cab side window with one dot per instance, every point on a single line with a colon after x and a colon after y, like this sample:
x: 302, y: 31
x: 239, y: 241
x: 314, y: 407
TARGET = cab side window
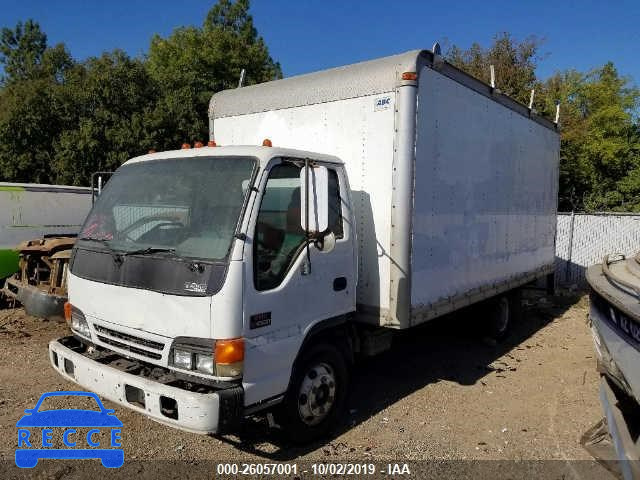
x: 278, y: 233
x: 279, y: 236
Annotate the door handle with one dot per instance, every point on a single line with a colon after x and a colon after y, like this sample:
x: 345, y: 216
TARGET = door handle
x: 339, y: 283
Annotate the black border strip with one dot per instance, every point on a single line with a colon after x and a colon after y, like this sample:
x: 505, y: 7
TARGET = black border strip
x: 79, y: 190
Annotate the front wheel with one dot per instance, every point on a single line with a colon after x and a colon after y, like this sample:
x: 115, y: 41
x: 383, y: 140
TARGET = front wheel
x: 316, y: 395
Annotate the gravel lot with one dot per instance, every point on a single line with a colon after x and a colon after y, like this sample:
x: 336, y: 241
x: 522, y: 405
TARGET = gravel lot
x: 441, y: 394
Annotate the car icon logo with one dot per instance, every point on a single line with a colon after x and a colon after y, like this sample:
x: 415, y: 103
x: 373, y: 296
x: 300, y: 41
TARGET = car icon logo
x: 102, y: 427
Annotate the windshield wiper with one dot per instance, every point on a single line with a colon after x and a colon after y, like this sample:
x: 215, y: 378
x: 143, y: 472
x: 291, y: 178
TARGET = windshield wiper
x: 116, y: 255
x: 149, y: 251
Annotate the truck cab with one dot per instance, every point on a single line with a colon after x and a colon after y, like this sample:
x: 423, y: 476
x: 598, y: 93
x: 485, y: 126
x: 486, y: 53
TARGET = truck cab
x: 196, y: 278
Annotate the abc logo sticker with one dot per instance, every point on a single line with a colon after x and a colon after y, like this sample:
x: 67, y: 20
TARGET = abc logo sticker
x: 382, y: 103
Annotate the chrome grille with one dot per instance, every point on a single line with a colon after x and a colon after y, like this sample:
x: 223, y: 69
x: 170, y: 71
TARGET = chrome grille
x: 112, y: 337
x: 131, y: 348
x: 143, y: 342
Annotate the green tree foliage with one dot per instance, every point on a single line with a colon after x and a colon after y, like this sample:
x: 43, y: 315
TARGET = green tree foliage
x: 193, y: 63
x: 601, y: 145
x: 32, y: 116
x: 109, y: 98
x: 21, y: 50
x: 61, y: 120
x: 514, y: 63
x: 600, y: 135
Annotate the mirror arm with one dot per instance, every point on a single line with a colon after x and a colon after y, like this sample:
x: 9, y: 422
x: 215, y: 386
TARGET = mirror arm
x: 306, y: 216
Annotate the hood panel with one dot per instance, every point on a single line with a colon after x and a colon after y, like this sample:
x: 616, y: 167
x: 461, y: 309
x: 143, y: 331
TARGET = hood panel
x: 153, y: 312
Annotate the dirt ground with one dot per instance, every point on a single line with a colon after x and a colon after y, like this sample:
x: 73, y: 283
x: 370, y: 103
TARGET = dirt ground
x: 441, y: 394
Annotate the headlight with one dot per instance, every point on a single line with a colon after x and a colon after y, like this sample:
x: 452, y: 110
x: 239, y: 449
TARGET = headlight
x: 221, y: 358
x: 79, y: 323
x: 182, y: 359
x: 204, y: 363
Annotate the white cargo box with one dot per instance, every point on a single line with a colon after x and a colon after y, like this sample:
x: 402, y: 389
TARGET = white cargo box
x: 454, y: 185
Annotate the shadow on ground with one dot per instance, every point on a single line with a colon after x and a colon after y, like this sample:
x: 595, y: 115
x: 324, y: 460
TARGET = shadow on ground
x: 451, y: 348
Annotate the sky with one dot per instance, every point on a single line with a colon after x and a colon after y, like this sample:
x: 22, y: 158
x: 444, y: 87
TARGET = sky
x: 310, y: 35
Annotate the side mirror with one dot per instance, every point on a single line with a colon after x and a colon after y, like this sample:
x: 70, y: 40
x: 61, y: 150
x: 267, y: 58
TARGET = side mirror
x: 315, y: 200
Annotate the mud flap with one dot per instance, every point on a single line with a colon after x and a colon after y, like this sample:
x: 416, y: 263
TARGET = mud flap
x: 231, y: 409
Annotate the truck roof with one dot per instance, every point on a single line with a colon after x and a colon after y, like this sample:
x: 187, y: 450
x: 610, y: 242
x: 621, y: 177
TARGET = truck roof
x: 351, y: 81
x: 264, y: 154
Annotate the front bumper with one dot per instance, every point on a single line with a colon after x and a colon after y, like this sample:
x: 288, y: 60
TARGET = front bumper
x: 35, y: 301
x: 215, y: 412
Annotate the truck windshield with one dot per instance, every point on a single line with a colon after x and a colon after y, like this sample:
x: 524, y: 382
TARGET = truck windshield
x: 186, y: 206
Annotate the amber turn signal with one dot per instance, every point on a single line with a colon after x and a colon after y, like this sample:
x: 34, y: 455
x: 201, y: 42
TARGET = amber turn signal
x: 67, y: 311
x: 229, y: 351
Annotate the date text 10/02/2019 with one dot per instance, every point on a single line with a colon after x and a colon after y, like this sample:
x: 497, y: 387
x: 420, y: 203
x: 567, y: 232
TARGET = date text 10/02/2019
x: 313, y: 468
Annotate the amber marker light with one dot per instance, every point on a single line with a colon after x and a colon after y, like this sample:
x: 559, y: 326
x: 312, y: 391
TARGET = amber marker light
x: 229, y: 351
x: 67, y: 311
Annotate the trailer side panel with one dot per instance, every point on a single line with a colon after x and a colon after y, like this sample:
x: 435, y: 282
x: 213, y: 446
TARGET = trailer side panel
x: 485, y: 197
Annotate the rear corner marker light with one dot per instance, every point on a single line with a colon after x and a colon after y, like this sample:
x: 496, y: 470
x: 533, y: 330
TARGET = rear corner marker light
x: 229, y: 351
x: 185, y: 146
x: 211, y: 143
x: 409, y: 76
x: 267, y: 143
x: 198, y: 145
x: 67, y: 311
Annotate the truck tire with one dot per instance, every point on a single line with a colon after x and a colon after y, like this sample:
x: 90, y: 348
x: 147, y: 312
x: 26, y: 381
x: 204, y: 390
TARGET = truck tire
x: 316, y: 395
x: 503, y: 312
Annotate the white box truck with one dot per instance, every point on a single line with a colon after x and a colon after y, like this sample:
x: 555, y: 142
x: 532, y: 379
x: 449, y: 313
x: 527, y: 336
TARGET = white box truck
x: 215, y: 282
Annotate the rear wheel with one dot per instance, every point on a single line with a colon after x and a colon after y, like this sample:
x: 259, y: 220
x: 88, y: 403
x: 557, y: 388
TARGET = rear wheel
x: 316, y: 395
x: 502, y: 313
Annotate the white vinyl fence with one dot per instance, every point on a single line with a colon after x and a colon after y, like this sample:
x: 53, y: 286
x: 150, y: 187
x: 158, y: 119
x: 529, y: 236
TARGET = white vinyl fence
x: 583, y: 239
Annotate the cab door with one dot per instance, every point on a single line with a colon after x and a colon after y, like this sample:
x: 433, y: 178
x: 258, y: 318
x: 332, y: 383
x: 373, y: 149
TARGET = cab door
x: 290, y: 284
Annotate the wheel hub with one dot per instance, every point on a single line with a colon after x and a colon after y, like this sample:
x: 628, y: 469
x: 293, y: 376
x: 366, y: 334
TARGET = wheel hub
x: 317, y: 394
